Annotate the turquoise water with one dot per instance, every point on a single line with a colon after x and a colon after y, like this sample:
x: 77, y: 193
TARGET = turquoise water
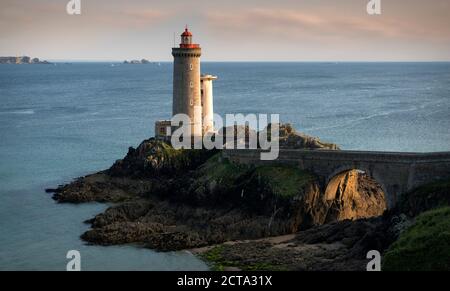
x: 60, y: 122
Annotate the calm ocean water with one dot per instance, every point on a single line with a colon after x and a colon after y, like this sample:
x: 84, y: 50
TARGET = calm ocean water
x: 60, y: 122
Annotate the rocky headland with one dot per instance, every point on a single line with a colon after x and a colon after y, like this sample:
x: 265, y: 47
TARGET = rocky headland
x: 22, y: 60
x: 249, y: 217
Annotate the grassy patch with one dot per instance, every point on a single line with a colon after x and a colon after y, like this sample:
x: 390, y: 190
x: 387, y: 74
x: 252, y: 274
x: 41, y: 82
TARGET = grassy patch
x: 163, y: 156
x: 425, y: 246
x: 221, y: 170
x: 284, y: 181
x: 426, y: 197
x: 219, y: 262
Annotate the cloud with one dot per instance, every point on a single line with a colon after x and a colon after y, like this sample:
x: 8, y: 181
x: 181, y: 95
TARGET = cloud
x: 133, y: 18
x: 264, y: 29
x: 300, y: 24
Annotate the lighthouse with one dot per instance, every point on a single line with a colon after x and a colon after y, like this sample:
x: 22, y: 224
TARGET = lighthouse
x: 192, y: 91
x: 186, y: 81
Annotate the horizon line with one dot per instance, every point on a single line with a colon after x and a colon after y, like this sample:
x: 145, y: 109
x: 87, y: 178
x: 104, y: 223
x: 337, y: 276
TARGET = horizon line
x: 250, y: 61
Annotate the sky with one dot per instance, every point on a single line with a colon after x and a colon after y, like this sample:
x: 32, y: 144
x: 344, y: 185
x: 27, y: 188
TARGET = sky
x: 228, y: 30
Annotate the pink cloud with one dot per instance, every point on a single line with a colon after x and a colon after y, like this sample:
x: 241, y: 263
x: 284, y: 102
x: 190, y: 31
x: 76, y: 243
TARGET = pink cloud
x: 138, y: 18
x: 300, y: 24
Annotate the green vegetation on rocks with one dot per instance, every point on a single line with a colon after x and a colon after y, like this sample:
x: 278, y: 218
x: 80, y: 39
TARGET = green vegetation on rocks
x: 221, y: 170
x: 426, y: 197
x: 284, y: 181
x: 280, y: 180
x: 262, y: 190
x: 161, y: 157
x: 216, y: 256
x: 157, y: 157
x: 424, y: 246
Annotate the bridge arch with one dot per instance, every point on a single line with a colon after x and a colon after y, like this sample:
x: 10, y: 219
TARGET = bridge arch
x: 368, y: 170
x: 350, y: 194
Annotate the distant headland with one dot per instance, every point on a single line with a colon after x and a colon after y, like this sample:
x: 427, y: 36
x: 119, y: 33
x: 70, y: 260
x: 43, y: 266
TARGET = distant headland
x: 137, y: 62
x: 22, y: 60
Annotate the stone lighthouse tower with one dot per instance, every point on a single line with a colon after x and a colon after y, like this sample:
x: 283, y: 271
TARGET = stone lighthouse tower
x: 192, y: 92
x: 186, y: 81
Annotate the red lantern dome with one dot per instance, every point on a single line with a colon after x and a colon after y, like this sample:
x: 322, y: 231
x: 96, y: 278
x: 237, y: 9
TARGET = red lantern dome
x: 186, y: 32
x: 186, y: 39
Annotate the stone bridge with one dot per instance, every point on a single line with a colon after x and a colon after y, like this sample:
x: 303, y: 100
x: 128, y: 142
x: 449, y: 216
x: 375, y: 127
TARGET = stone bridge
x: 396, y: 173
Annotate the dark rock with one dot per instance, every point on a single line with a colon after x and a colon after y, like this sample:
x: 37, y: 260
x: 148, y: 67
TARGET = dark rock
x: 51, y: 190
x: 290, y: 138
x: 101, y: 187
x: 171, y: 199
x: 427, y: 197
x: 198, y: 200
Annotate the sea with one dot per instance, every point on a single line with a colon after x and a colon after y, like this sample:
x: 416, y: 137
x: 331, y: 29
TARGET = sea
x: 65, y: 120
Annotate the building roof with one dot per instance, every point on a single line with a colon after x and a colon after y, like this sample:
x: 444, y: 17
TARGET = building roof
x: 208, y: 77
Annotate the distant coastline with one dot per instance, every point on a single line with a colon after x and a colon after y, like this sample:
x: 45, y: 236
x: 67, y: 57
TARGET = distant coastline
x: 137, y: 62
x: 22, y: 60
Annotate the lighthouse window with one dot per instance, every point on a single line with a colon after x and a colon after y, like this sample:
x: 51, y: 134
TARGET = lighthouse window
x: 191, y: 66
x: 191, y: 102
x: 191, y: 84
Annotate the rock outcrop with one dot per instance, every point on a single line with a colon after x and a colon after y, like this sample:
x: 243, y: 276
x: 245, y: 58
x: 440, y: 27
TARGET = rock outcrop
x: 177, y: 199
x: 353, y: 195
x: 407, y: 243
x: 292, y: 139
x: 101, y: 187
x: 153, y: 157
x: 21, y: 60
x: 167, y: 199
x: 288, y: 137
x: 340, y: 246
